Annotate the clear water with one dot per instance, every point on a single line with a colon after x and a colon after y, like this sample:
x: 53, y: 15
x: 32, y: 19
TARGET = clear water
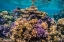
x: 50, y: 6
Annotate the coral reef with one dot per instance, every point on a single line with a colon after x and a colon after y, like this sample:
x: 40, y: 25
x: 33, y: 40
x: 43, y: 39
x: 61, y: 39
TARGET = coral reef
x: 32, y: 26
x: 60, y: 28
x: 6, y: 21
x: 17, y: 12
x: 60, y: 25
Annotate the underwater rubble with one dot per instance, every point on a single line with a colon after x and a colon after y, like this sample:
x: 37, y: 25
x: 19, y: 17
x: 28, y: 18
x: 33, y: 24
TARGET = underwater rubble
x: 30, y: 25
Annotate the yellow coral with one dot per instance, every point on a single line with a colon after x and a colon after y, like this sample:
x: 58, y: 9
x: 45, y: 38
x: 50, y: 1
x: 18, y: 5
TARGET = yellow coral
x: 49, y: 37
x: 1, y: 14
x: 4, y: 12
x: 43, y: 41
x: 33, y: 21
x: 16, y: 23
x: 34, y: 33
x: 44, y: 25
x: 53, y: 30
x: 23, y: 21
x: 61, y: 21
x: 28, y: 26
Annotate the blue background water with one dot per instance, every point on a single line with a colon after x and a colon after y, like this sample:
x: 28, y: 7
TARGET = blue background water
x: 50, y: 6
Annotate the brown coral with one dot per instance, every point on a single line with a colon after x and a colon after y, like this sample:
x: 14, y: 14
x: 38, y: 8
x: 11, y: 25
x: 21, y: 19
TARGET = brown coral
x: 44, y: 25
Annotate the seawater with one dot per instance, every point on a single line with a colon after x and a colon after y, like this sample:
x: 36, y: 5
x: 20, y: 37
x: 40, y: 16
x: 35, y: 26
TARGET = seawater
x: 49, y: 6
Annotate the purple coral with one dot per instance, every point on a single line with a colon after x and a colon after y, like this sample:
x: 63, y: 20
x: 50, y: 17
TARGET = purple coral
x: 39, y: 21
x: 2, y: 20
x: 41, y: 33
x: 47, y: 18
x: 3, y: 30
x: 13, y: 24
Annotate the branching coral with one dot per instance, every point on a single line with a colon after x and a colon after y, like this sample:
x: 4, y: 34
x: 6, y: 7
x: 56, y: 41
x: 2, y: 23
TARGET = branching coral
x: 60, y: 26
x: 31, y: 26
x: 34, y: 27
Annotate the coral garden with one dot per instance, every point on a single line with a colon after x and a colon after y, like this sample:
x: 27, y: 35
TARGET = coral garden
x: 30, y: 25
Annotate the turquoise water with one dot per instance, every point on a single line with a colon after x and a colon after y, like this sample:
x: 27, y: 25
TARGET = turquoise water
x: 16, y: 25
x: 50, y: 6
